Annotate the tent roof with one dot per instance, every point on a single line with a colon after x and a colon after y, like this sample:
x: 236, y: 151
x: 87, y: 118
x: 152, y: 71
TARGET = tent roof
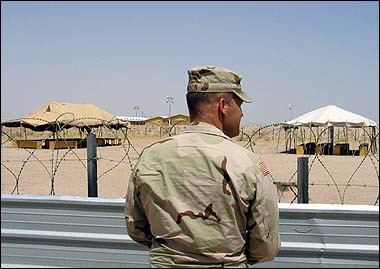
x: 331, y: 115
x: 55, y: 115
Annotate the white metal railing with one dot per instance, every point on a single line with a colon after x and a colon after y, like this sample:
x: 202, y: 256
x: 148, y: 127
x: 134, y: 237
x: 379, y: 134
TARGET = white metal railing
x: 59, y: 231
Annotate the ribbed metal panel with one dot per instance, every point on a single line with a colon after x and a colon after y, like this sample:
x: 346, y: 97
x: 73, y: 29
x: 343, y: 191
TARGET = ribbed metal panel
x: 66, y: 232
x: 323, y: 236
x: 57, y: 231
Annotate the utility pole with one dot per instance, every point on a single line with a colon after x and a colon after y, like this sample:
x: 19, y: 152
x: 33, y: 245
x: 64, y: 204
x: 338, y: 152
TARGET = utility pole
x: 136, y: 108
x: 169, y: 100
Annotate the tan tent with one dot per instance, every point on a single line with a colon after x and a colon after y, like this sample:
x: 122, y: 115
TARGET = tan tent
x: 55, y: 116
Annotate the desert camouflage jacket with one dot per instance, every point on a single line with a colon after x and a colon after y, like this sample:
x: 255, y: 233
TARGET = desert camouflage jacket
x: 199, y: 199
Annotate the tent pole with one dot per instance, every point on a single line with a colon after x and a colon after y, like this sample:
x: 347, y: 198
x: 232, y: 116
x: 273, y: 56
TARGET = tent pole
x: 286, y: 140
x: 373, y: 140
x: 346, y: 134
x: 278, y: 138
x: 338, y: 134
x: 317, y: 138
x: 331, y: 131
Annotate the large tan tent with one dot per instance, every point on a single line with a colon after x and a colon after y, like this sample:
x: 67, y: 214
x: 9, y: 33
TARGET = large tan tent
x: 55, y: 116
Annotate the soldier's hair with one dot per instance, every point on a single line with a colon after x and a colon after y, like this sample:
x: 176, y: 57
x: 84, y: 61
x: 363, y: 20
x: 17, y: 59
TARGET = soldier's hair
x: 195, y: 100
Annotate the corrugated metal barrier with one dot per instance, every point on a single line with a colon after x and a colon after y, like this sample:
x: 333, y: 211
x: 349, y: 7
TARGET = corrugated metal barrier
x: 59, y: 231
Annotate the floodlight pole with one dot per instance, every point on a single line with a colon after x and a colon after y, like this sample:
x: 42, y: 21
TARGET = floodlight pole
x: 136, y: 108
x: 169, y: 100
x: 290, y: 109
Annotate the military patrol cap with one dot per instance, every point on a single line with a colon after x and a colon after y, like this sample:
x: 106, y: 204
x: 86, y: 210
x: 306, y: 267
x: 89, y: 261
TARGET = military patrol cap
x: 210, y: 78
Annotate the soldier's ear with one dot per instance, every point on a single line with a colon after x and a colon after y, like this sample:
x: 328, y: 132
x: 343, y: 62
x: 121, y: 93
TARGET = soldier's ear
x: 222, y: 105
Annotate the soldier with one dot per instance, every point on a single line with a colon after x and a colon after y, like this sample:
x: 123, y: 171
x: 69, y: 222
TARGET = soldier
x: 198, y: 199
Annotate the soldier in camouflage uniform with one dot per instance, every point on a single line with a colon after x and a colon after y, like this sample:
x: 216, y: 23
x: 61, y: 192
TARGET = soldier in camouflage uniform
x: 198, y: 199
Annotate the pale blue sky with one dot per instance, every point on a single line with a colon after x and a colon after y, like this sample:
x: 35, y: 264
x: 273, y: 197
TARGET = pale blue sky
x: 118, y: 55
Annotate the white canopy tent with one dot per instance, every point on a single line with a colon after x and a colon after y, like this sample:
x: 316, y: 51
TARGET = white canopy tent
x: 330, y: 116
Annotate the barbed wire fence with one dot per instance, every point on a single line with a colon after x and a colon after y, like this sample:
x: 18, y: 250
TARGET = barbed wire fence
x: 57, y: 151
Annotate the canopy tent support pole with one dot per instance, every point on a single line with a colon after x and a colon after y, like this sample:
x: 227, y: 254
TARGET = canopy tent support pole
x: 317, y: 133
x: 346, y: 129
x: 286, y: 140
x: 310, y: 133
x: 331, y: 141
x: 291, y: 139
x: 373, y: 140
x: 338, y: 134
x: 278, y: 138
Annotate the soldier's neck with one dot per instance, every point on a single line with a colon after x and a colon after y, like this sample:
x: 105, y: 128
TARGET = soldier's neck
x: 210, y: 120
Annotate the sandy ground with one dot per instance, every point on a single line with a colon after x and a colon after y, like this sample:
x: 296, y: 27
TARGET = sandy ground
x: 115, y: 164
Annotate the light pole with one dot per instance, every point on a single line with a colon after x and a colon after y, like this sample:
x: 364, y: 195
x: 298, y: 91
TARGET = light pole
x: 136, y: 108
x: 290, y: 109
x: 170, y: 101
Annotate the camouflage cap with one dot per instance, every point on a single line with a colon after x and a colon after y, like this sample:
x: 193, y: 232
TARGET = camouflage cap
x: 210, y: 78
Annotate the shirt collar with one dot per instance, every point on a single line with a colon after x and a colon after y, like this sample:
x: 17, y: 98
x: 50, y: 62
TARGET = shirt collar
x: 205, y: 128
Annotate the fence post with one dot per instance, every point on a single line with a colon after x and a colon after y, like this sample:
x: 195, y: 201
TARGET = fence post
x: 302, y: 180
x: 92, y: 166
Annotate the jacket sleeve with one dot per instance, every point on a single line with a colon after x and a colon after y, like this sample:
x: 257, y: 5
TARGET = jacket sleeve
x: 263, y: 237
x: 137, y: 223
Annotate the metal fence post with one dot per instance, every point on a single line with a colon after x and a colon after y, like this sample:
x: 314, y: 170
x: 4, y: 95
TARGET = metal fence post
x: 92, y: 166
x: 302, y: 180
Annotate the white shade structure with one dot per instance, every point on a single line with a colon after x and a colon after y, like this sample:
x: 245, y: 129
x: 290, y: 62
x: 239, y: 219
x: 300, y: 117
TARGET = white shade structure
x: 331, y: 115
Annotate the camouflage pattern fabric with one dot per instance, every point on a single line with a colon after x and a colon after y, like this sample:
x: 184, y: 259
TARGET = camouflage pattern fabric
x: 210, y: 78
x: 200, y: 200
